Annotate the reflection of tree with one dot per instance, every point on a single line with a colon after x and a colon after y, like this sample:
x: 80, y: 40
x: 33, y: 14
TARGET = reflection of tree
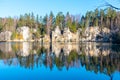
x: 98, y: 64
x: 59, y: 61
x: 105, y: 64
x: 71, y: 58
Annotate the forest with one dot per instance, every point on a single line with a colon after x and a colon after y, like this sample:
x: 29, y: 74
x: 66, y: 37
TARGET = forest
x: 109, y: 18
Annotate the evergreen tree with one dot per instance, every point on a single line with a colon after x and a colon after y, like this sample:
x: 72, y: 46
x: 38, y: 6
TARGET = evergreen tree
x: 101, y: 18
x: 60, y: 20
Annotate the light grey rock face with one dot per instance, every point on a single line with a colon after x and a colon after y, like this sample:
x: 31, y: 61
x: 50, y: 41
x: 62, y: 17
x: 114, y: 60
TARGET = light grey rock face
x: 91, y: 33
x: 65, y: 37
x: 6, y: 35
x: 95, y: 34
x: 105, y: 35
x: 25, y: 31
x: 56, y: 34
x: 67, y: 34
x: 57, y: 30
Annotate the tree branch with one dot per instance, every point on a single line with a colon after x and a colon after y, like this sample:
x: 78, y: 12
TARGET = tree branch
x: 110, y: 5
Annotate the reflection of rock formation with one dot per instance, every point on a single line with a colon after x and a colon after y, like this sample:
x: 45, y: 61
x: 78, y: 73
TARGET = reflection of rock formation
x: 96, y: 57
x: 89, y: 49
x: 6, y: 51
x: 25, y: 49
x: 94, y: 49
x: 56, y: 49
x: 6, y: 47
x: 67, y: 48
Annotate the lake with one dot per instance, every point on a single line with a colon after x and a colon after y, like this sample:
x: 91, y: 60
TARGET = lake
x: 69, y: 61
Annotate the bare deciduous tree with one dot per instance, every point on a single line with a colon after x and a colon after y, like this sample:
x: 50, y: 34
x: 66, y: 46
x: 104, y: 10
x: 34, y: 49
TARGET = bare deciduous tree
x: 110, y: 5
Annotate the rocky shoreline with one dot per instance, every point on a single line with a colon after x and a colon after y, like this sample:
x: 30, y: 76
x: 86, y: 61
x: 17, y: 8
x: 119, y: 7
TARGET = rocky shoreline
x: 90, y: 34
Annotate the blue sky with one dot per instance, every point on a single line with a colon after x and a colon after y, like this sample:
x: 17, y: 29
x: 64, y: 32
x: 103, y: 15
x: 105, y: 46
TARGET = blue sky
x: 41, y: 7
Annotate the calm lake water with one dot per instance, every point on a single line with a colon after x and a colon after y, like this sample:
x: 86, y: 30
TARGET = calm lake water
x: 83, y: 61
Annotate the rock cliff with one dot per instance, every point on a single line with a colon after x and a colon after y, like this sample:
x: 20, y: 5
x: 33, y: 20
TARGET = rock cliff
x: 6, y: 35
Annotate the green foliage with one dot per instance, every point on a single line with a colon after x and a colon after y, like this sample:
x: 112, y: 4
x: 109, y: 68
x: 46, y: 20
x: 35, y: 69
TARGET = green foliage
x: 16, y: 35
x: 10, y: 24
x: 96, y: 22
x: 36, y: 35
x: 72, y: 56
x: 26, y: 20
x: 59, y: 63
x: 13, y: 35
x: 0, y: 28
x: 73, y: 27
x: 72, y: 22
x: 103, y: 18
x: 60, y: 20
x: 7, y: 24
x: 68, y: 20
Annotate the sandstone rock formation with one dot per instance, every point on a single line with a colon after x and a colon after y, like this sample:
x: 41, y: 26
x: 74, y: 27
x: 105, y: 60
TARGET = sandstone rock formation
x: 25, y: 31
x: 6, y: 35
x: 95, y: 34
x: 56, y: 34
x: 66, y: 36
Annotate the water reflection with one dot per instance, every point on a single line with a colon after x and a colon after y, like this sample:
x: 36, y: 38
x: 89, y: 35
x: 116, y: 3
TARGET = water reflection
x: 97, y: 57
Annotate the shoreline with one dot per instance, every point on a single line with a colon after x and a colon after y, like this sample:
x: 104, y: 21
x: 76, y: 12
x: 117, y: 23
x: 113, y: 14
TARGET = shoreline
x: 52, y: 41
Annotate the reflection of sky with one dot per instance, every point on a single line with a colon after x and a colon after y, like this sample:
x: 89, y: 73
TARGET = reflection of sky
x: 43, y: 73
x: 116, y: 75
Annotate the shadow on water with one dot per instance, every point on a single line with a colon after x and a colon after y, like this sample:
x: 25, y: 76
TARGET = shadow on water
x: 97, y: 57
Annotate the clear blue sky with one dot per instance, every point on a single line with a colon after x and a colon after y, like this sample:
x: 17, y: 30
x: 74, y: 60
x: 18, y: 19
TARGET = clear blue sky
x: 41, y: 7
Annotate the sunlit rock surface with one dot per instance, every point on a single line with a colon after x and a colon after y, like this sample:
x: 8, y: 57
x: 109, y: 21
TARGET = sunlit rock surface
x: 89, y: 34
x: 46, y: 38
x: 6, y: 35
x: 56, y: 34
x: 63, y: 36
x: 25, y: 31
x: 96, y: 34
